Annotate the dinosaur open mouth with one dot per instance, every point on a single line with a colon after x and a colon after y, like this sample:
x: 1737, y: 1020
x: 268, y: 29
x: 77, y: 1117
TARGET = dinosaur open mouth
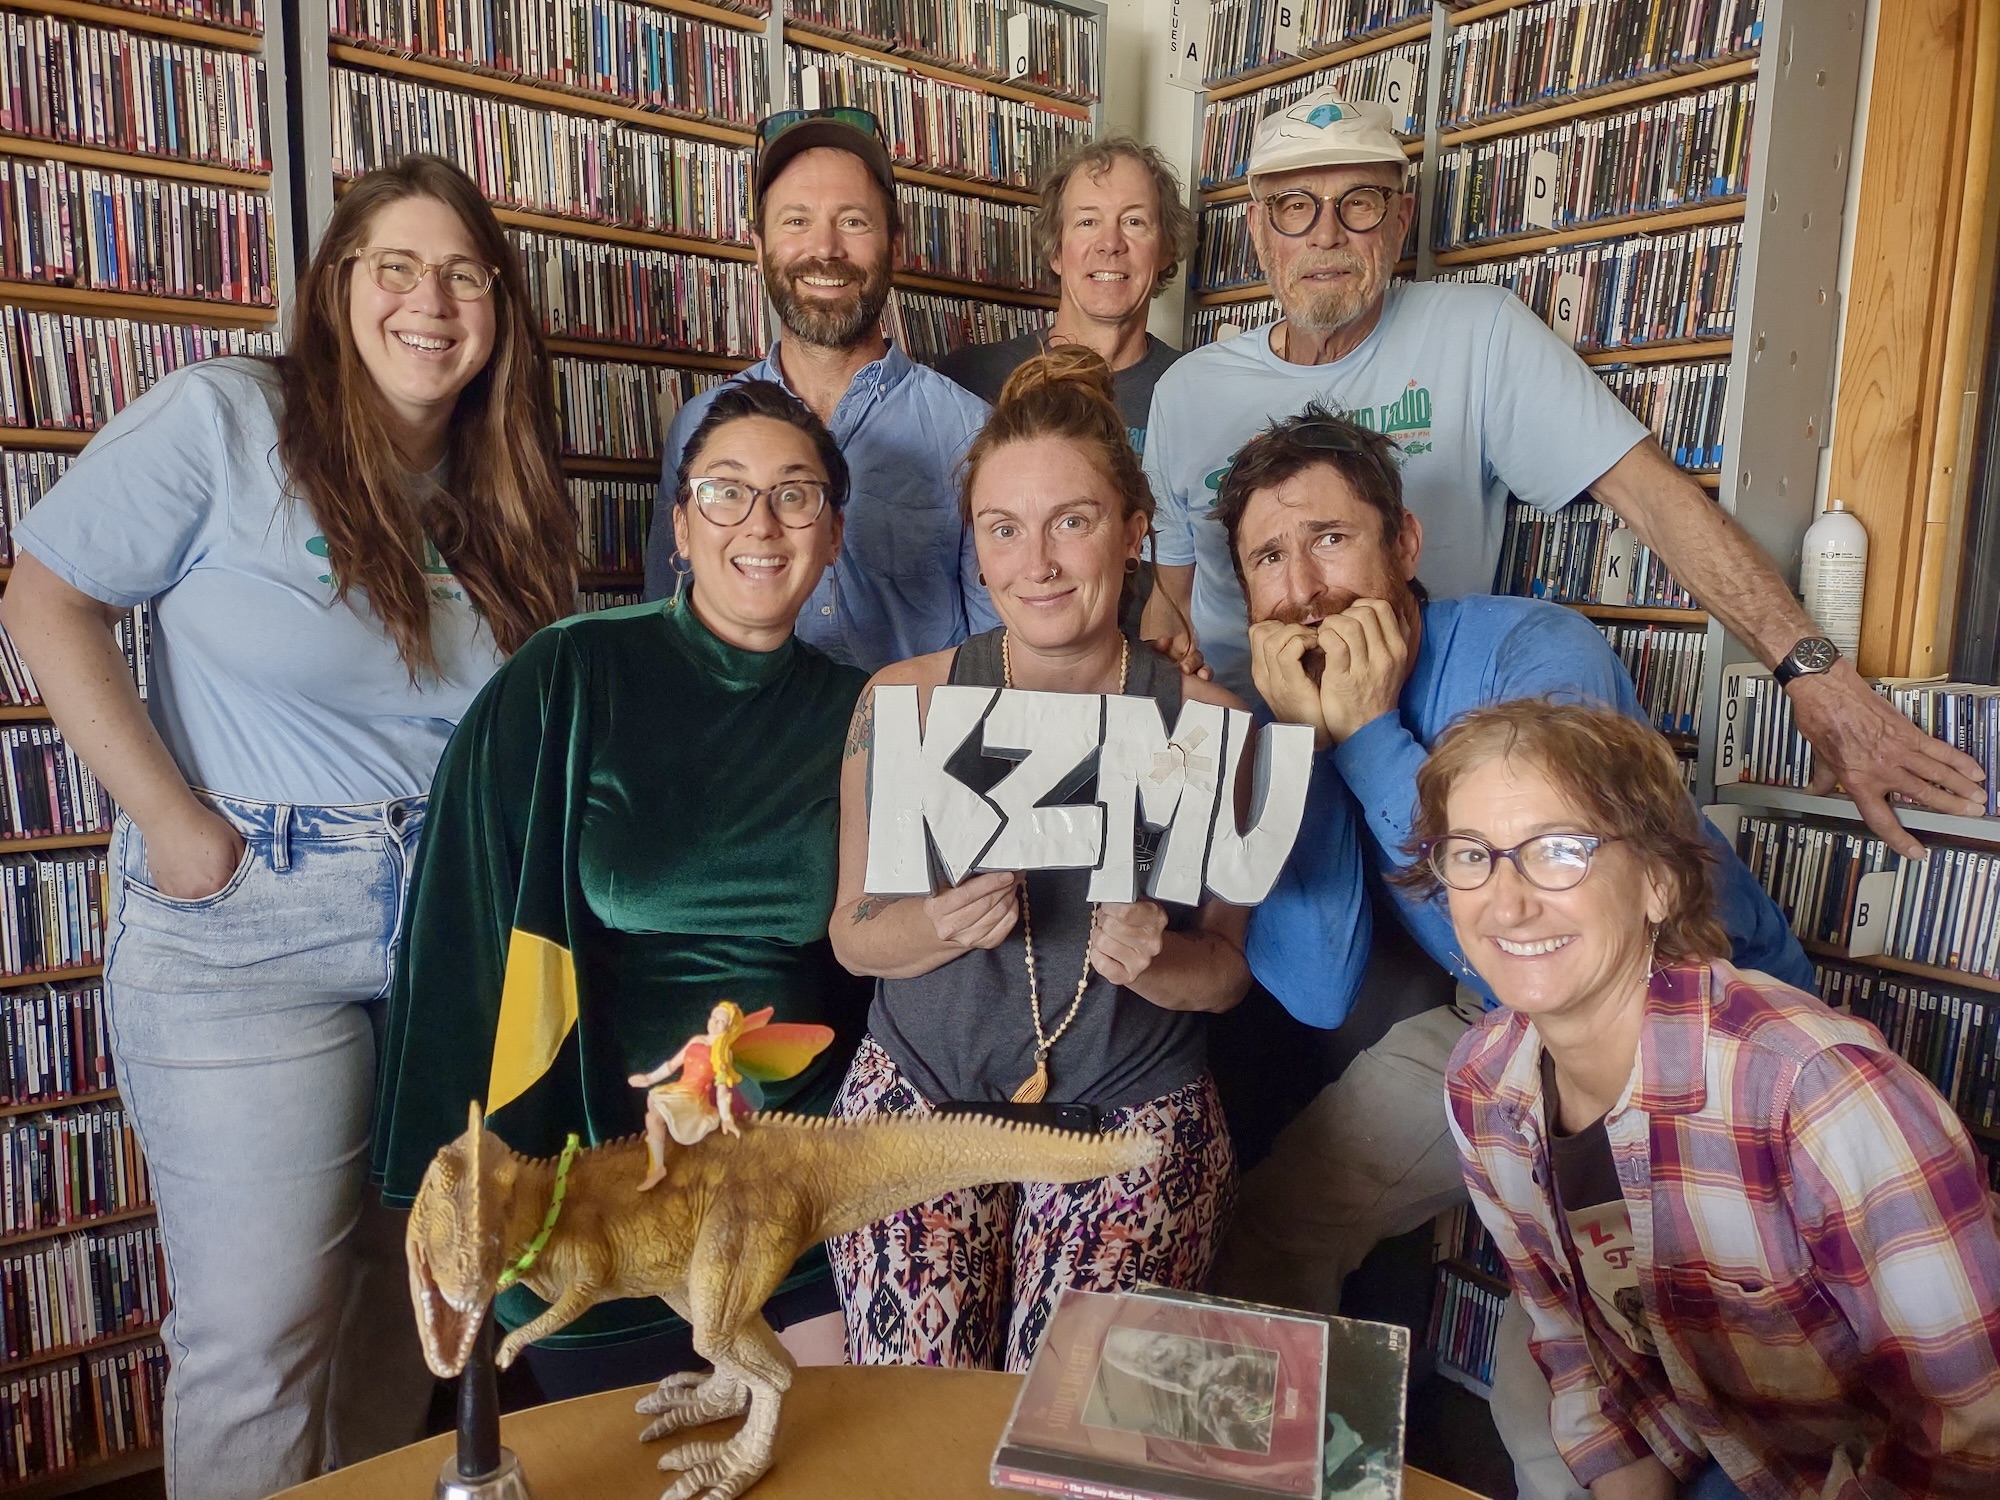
x: 446, y: 1328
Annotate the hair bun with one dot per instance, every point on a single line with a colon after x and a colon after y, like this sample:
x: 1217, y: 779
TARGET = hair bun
x: 1059, y: 369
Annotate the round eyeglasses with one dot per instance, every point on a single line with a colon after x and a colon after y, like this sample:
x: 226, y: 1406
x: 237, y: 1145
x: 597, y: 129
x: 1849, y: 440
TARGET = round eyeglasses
x: 400, y: 271
x: 728, y: 502
x: 1548, y: 861
x: 1361, y: 209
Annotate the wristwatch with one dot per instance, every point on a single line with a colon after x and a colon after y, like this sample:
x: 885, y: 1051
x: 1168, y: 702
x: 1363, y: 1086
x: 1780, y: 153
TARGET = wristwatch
x: 1810, y: 657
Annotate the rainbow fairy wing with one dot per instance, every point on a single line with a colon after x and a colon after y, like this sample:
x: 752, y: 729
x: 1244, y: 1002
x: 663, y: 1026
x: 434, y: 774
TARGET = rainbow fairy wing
x: 780, y: 1051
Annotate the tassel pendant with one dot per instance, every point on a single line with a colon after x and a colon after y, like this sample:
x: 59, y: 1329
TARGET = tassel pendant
x: 1037, y: 1085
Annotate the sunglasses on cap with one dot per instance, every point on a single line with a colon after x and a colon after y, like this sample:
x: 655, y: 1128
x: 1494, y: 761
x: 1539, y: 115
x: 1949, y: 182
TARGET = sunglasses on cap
x: 772, y: 126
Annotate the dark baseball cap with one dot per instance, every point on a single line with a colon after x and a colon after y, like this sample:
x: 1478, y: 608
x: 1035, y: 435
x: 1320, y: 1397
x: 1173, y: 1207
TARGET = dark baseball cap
x: 782, y: 136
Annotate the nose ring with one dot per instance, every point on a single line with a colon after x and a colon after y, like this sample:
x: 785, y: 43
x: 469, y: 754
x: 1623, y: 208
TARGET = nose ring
x: 1054, y: 569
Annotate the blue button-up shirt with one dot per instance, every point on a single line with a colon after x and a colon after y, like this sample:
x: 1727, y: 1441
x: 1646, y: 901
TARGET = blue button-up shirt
x: 906, y: 581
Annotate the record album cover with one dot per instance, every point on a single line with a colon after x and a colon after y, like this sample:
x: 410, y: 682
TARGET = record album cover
x: 1151, y: 1398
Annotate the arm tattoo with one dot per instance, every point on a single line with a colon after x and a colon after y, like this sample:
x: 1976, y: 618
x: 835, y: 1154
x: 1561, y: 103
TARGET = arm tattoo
x: 861, y: 728
x: 870, y: 907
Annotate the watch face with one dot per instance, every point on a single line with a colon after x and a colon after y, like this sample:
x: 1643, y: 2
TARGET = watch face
x: 1815, y: 654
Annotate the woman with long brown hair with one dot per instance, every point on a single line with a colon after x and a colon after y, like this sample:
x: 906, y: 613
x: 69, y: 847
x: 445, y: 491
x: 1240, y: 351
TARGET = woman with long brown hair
x: 341, y: 546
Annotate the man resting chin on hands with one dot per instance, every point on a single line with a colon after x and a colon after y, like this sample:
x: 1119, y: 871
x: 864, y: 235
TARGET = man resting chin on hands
x: 1344, y: 639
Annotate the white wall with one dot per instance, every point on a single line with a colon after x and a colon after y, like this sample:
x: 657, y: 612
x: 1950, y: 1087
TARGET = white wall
x: 1138, y: 100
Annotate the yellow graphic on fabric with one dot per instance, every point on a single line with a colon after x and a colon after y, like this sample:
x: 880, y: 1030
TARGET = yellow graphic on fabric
x: 537, y: 1010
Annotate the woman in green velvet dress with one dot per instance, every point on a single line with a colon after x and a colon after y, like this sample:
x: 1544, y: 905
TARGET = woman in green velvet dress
x: 636, y: 819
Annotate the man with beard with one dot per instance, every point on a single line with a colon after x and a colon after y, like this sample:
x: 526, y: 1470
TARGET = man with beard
x: 1482, y: 398
x: 826, y: 223
x: 1113, y: 227
x: 1345, y: 640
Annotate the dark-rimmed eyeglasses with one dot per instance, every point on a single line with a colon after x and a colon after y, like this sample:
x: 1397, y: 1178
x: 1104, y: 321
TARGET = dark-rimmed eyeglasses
x: 402, y: 271
x: 728, y: 502
x: 1360, y: 209
x: 1548, y: 861
x: 774, y: 125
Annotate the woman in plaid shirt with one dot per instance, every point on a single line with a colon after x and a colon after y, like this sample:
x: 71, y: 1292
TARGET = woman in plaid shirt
x: 1756, y: 1246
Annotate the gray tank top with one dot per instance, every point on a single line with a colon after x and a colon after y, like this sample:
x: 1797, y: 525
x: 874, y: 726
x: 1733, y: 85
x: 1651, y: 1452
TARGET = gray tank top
x: 962, y: 1031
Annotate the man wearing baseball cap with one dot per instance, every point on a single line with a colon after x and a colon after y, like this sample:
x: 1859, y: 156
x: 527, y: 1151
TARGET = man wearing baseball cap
x: 1482, y: 398
x: 825, y: 228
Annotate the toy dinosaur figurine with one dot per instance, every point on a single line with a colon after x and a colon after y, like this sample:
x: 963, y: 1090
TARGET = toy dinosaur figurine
x: 707, y: 1096
x: 734, y: 1213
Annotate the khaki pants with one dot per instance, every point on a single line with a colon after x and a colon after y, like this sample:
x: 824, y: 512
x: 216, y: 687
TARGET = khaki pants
x: 1372, y: 1158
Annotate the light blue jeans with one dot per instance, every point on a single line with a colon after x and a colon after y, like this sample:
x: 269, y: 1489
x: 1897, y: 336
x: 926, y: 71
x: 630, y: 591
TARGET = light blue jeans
x: 244, y: 1027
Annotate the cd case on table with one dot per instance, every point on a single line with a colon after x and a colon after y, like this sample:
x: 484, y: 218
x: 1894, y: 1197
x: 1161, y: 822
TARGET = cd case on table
x: 1157, y: 1395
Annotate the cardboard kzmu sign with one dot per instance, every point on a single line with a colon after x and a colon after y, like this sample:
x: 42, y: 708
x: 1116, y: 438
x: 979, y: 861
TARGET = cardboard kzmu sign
x: 1180, y: 784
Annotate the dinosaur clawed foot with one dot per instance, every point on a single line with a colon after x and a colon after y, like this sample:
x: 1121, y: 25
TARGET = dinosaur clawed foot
x: 716, y: 1471
x: 688, y: 1400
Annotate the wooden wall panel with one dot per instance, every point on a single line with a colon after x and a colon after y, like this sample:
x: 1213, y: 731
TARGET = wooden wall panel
x: 1908, y: 277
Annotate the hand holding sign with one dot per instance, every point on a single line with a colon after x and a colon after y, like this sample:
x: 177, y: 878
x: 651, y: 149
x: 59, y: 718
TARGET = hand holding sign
x: 977, y: 914
x: 1129, y: 936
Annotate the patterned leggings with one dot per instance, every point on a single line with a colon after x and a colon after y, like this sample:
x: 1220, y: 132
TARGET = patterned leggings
x: 970, y: 1279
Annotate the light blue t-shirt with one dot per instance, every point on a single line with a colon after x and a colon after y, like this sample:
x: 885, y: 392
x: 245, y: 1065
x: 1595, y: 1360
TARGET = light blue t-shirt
x: 1479, y: 392
x: 263, y: 684
x: 906, y: 582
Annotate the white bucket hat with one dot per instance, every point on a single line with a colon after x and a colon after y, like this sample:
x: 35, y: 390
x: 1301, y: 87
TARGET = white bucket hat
x: 1324, y: 130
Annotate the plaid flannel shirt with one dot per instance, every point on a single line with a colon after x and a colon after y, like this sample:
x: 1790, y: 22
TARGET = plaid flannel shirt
x: 1816, y: 1248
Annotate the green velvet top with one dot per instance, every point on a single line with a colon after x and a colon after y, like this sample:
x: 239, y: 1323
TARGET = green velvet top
x: 633, y: 821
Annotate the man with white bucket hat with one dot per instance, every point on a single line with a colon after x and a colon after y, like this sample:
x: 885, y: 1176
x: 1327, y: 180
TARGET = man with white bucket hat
x: 1483, y: 398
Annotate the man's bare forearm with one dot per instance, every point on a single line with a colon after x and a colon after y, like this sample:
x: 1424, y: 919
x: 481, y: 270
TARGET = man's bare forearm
x: 1710, y: 556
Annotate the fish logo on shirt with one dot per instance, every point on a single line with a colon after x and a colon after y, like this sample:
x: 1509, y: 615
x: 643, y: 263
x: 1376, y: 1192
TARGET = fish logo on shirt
x: 444, y: 585
x: 1407, y: 419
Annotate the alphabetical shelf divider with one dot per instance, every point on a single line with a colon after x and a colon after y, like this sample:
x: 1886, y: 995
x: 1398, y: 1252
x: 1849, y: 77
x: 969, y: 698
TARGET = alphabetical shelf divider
x: 133, y: 163
x: 1699, y: 75
x: 211, y: 33
x: 102, y: 1221
x: 42, y: 296
x: 808, y: 35
x: 1904, y: 966
x: 1646, y: 221
x: 1252, y: 79
x: 539, y: 91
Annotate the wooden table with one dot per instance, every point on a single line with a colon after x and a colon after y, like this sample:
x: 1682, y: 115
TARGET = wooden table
x: 874, y: 1433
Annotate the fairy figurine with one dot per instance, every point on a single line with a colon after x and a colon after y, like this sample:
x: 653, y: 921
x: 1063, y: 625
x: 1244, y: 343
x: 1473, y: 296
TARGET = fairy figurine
x: 718, y: 1069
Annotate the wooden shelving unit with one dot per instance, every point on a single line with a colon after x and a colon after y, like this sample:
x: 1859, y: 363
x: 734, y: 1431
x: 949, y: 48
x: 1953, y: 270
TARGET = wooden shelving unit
x: 133, y: 163
x: 1643, y: 614
x: 1252, y: 79
x: 458, y: 75
x: 1599, y: 100
x: 85, y: 1476
x: 1668, y: 349
x: 805, y: 34
x: 1720, y: 210
x: 102, y: 1221
x: 1904, y: 966
x: 49, y: 976
x: 210, y: 33
x: 43, y: 1106
x: 57, y: 1356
